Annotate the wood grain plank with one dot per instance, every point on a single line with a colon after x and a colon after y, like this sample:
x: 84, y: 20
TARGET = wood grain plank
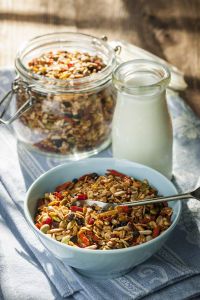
x: 22, y: 20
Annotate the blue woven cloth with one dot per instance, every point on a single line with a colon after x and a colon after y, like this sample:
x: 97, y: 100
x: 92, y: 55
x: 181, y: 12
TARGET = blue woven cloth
x: 28, y: 271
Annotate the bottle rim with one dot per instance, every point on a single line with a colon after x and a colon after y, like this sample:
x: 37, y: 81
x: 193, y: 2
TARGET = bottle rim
x: 125, y: 72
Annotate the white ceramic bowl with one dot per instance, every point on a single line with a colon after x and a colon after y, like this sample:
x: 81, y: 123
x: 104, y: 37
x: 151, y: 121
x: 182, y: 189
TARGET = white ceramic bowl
x: 99, y: 263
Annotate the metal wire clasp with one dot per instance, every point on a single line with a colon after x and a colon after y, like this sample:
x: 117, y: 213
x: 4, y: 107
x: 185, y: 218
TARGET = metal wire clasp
x: 6, y: 100
x: 117, y: 48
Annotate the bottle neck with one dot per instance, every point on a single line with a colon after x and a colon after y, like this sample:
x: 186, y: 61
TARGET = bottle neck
x: 141, y: 78
x: 148, y: 98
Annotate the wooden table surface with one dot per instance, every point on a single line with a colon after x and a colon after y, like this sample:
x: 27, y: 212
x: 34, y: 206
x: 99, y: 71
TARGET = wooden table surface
x: 170, y: 29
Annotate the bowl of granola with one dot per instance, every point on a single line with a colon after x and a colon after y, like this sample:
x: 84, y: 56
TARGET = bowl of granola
x: 101, y: 244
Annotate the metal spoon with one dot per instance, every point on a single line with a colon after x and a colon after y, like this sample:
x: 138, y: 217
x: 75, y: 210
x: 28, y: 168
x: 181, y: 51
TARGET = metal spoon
x: 105, y: 206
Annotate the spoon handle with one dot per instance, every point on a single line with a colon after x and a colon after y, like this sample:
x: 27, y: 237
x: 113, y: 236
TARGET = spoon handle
x: 156, y: 200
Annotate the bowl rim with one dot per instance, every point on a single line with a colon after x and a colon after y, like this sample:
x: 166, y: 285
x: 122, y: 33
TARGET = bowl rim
x: 98, y: 251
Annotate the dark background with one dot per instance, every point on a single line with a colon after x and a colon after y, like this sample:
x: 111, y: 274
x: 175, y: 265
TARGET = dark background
x: 168, y: 28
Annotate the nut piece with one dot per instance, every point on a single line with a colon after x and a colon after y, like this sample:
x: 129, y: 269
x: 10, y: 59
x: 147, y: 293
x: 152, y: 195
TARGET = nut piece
x: 44, y: 228
x: 65, y: 239
x: 145, y: 232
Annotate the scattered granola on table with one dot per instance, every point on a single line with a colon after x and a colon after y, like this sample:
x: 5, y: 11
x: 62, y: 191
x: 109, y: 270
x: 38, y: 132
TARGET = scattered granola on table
x: 68, y: 123
x: 88, y: 226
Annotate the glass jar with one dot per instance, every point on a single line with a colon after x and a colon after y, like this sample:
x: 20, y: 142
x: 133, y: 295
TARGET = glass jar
x: 70, y: 117
x: 142, y: 129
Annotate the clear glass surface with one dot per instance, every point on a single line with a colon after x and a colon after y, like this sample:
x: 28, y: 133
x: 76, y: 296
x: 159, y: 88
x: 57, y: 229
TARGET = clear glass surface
x: 142, y: 130
x: 69, y: 117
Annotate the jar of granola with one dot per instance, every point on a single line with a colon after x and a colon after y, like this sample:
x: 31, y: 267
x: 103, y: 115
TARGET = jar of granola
x: 64, y: 91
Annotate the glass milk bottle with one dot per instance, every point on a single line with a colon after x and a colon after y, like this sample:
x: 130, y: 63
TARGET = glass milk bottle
x: 142, y: 130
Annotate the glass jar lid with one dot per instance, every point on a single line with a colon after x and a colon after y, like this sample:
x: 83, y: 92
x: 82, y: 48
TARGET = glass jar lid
x: 130, y: 52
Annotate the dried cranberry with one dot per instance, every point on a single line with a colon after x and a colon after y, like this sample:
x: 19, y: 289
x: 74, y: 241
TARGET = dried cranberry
x: 58, y: 195
x: 70, y: 65
x: 48, y: 221
x: 82, y: 197
x: 76, y: 208
x: 91, y: 221
x: 156, y: 232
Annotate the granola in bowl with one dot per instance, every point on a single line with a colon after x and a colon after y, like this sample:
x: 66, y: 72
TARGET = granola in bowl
x: 89, y: 227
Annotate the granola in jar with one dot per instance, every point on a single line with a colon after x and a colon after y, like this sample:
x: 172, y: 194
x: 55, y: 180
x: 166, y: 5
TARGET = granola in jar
x: 73, y: 99
x: 66, y: 124
x: 66, y: 64
x: 91, y: 228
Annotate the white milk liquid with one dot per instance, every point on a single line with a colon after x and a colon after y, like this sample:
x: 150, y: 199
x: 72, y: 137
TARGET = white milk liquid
x: 142, y: 129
